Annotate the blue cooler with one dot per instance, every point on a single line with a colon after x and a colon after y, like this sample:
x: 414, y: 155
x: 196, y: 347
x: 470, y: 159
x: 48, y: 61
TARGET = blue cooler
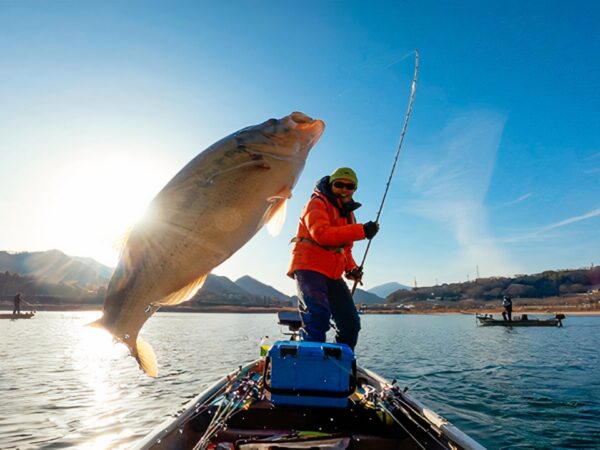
x: 316, y: 374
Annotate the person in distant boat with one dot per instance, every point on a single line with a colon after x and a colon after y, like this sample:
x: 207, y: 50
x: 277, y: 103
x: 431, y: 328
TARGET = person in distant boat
x: 322, y: 254
x: 17, y: 307
x: 507, y: 305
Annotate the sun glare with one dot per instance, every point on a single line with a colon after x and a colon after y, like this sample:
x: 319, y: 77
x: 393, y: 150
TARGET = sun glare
x: 96, y: 357
x: 97, y: 201
x: 94, y: 353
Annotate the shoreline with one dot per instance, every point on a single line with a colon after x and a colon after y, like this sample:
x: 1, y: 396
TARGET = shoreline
x: 574, y: 305
x: 540, y: 310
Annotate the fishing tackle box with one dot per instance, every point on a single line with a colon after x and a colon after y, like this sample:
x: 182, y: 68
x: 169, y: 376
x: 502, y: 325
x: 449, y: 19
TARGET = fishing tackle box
x: 315, y: 374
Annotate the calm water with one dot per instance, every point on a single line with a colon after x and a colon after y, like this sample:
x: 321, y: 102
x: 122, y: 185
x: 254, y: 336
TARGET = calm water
x: 64, y: 385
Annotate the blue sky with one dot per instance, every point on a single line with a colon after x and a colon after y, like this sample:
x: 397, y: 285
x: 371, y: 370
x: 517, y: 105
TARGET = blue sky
x: 101, y: 103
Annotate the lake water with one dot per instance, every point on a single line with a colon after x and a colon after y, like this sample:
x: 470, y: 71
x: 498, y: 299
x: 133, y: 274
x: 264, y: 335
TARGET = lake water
x: 64, y: 385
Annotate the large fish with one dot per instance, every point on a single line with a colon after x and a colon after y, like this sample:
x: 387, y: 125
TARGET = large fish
x: 210, y: 209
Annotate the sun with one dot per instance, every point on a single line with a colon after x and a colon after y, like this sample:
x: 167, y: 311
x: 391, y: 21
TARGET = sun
x: 96, y: 201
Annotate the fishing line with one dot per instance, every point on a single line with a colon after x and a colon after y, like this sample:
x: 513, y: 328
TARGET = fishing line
x: 398, y: 61
x: 387, y: 186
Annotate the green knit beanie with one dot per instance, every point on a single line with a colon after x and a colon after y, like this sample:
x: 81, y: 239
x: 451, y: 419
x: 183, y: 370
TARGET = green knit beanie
x: 344, y: 172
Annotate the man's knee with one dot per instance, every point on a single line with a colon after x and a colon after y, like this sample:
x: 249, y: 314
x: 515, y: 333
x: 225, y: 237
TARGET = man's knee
x: 315, y: 325
x: 315, y: 319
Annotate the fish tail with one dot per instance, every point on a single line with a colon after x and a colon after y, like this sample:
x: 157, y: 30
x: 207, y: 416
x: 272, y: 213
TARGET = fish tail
x: 141, y: 351
x: 144, y: 354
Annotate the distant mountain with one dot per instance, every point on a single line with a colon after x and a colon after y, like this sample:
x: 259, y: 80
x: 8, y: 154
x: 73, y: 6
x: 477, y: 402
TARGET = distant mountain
x: 366, y: 298
x: 255, y: 287
x: 53, y: 277
x: 101, y: 269
x: 383, y: 290
x: 222, y: 285
x: 36, y: 291
x: 220, y: 290
x: 55, y: 267
x: 55, y: 274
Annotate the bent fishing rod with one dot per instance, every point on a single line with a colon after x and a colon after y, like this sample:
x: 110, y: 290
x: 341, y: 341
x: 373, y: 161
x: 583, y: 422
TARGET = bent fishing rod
x: 389, y: 181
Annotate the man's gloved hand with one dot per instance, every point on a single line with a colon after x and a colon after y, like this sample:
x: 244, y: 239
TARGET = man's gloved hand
x: 355, y: 274
x: 371, y: 229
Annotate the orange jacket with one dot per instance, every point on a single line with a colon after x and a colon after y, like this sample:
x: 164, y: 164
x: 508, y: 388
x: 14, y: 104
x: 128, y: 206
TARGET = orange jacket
x: 323, y: 242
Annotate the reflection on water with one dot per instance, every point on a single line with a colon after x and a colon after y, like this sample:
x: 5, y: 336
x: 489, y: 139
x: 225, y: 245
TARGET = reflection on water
x: 67, y: 385
x: 93, y: 355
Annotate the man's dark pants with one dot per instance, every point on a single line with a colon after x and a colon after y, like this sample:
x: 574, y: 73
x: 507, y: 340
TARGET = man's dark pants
x: 322, y: 298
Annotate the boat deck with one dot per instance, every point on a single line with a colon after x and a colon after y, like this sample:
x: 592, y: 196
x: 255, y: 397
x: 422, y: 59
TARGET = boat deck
x: 363, y: 428
x: 260, y: 425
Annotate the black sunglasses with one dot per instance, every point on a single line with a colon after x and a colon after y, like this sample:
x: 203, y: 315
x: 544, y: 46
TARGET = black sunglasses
x: 341, y: 184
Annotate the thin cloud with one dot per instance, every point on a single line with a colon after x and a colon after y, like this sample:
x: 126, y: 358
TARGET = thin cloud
x: 593, y: 159
x: 538, y: 233
x: 515, y: 201
x: 451, y: 178
x: 592, y: 170
x: 458, y: 164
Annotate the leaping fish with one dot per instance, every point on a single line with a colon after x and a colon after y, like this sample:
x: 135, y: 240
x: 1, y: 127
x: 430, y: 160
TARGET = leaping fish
x: 207, y: 212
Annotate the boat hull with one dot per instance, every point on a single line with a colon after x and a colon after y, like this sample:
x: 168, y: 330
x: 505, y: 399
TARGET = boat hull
x: 486, y: 321
x: 395, y: 421
x: 16, y: 316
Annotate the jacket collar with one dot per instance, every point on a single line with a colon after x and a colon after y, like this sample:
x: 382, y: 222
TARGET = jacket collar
x: 324, y: 188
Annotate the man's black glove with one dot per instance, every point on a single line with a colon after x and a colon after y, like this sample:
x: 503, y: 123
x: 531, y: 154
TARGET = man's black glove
x: 371, y: 229
x: 355, y: 274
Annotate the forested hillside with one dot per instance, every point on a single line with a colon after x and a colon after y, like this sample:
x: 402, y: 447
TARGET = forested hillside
x: 546, y: 284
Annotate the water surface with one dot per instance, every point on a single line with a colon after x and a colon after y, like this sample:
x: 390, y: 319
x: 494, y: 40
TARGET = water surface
x: 65, y: 385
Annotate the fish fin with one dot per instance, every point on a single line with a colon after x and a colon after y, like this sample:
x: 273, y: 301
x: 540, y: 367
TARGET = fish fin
x: 185, y: 293
x: 152, y: 308
x: 144, y: 354
x: 96, y: 323
x: 275, y: 216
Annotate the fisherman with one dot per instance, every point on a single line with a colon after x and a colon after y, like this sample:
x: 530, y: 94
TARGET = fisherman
x: 507, y: 305
x: 17, y: 308
x: 322, y: 254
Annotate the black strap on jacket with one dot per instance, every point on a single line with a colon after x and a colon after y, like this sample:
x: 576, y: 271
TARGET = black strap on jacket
x: 326, y: 247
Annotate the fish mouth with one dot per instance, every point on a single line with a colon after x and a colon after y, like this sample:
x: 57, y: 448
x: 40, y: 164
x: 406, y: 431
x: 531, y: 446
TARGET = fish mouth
x: 305, y: 123
x: 289, y: 138
x: 300, y: 117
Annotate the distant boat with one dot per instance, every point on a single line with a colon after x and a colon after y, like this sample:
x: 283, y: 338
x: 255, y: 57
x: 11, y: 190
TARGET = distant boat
x: 520, y: 321
x: 28, y: 315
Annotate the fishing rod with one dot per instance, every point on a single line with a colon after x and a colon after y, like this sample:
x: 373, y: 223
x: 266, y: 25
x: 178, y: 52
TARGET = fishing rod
x: 389, y: 181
